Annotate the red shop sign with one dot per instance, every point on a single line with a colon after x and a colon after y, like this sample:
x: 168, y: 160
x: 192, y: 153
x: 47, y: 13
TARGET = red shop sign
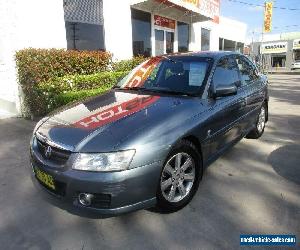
x: 164, y: 22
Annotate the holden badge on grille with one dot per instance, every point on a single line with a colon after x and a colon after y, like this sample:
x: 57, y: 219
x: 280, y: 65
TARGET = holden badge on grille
x: 48, y: 152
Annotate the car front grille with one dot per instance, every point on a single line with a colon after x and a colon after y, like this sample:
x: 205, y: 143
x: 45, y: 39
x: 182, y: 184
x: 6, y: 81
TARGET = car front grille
x: 101, y: 201
x: 57, y: 156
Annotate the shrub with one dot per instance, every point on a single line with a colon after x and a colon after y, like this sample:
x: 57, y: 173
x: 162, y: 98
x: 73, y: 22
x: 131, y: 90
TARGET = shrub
x: 35, y: 66
x: 80, y: 82
x: 127, y: 65
x: 38, y: 65
x: 46, y: 75
x: 63, y: 90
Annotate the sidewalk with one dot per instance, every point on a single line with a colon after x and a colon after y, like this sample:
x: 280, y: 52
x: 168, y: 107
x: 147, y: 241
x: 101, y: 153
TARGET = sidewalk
x: 283, y: 71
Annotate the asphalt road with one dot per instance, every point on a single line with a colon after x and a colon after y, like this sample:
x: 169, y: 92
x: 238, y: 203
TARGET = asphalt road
x: 253, y: 188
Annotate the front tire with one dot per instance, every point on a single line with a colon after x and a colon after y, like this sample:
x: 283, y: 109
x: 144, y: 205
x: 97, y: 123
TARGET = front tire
x: 260, y: 123
x: 180, y: 177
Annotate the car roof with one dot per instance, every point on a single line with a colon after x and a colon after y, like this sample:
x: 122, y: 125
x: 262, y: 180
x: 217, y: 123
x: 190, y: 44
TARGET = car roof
x: 212, y: 54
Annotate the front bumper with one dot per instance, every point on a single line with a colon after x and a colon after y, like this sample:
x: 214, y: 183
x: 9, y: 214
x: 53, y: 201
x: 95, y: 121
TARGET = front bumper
x: 117, y: 192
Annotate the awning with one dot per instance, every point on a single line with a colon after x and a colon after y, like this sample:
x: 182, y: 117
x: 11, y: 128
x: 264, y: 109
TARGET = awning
x: 189, y: 11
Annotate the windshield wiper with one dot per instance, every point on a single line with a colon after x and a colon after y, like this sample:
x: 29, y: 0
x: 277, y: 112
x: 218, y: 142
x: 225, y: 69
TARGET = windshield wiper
x: 171, y: 92
x: 129, y: 88
x: 134, y: 88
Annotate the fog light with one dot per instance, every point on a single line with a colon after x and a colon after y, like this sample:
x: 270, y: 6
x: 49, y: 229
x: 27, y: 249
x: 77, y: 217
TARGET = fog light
x: 85, y: 199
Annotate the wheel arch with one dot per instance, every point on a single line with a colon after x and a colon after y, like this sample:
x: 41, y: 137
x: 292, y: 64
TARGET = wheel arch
x: 267, y: 106
x: 193, y: 139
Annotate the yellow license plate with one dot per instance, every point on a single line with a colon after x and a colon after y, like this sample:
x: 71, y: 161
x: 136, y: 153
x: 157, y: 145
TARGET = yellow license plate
x: 44, y: 178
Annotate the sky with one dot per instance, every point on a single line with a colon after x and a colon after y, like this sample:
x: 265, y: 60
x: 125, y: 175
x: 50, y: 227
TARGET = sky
x: 253, y: 16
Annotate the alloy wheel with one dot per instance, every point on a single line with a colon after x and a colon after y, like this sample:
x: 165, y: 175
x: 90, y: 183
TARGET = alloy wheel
x: 178, y: 177
x: 261, y: 120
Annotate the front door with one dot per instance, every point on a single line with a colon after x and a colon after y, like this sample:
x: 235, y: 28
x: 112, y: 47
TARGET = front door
x: 223, y: 125
x: 164, y: 35
x: 164, y: 42
x: 169, y: 42
x: 159, y: 42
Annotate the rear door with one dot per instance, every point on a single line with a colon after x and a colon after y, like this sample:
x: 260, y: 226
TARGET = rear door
x: 253, y: 88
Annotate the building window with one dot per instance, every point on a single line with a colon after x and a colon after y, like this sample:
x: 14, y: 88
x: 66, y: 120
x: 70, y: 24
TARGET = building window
x: 205, y: 39
x: 84, y: 36
x: 141, y: 32
x: 229, y: 45
x: 221, y: 43
x: 84, y: 28
x: 183, y: 36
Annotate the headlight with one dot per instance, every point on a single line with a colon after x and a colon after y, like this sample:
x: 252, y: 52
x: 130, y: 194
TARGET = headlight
x: 116, y: 161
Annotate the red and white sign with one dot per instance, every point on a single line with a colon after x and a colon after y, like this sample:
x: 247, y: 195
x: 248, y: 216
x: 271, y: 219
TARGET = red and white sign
x: 115, y: 112
x: 164, y: 22
x: 208, y: 8
x: 143, y: 72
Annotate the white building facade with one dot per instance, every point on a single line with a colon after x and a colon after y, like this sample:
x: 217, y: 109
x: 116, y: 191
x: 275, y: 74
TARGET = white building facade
x: 278, y: 50
x: 125, y: 28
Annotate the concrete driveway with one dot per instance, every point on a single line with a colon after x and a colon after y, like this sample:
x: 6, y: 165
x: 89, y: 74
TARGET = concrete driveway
x: 253, y: 188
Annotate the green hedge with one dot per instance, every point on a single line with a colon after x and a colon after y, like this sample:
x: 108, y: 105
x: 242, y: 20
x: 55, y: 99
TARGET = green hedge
x: 35, y: 66
x: 63, y: 90
x: 81, y: 82
x: 127, y: 65
x: 39, y: 65
x: 47, y: 75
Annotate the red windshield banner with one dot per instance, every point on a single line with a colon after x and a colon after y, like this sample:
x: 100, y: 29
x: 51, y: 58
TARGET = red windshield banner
x: 143, y: 72
x: 116, y: 112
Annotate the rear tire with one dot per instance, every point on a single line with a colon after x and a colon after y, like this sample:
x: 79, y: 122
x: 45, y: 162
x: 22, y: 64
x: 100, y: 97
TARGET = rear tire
x: 260, y: 123
x: 180, y: 177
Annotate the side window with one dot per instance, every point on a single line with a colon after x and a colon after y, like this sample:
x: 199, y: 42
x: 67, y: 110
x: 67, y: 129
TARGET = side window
x: 226, y: 73
x: 247, y: 71
x: 254, y: 68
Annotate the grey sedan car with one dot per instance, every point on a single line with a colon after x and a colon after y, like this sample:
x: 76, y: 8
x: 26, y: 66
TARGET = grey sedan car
x: 147, y: 141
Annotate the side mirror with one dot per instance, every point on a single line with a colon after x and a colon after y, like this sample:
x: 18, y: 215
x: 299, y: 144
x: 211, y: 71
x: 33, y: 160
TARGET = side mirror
x: 221, y: 91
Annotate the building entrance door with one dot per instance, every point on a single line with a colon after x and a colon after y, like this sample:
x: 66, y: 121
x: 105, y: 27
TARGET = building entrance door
x: 164, y: 42
x: 278, y: 61
x: 159, y: 42
x: 169, y: 42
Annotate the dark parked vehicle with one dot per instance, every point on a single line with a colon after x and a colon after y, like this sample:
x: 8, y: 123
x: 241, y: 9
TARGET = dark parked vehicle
x: 147, y: 141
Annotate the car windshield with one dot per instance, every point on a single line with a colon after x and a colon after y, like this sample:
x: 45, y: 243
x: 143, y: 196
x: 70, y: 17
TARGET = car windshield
x: 161, y: 74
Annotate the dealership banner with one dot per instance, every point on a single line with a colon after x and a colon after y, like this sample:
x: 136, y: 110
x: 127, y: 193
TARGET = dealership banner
x: 271, y: 48
x: 296, y: 44
x: 268, y: 16
x: 208, y: 8
x: 164, y: 22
